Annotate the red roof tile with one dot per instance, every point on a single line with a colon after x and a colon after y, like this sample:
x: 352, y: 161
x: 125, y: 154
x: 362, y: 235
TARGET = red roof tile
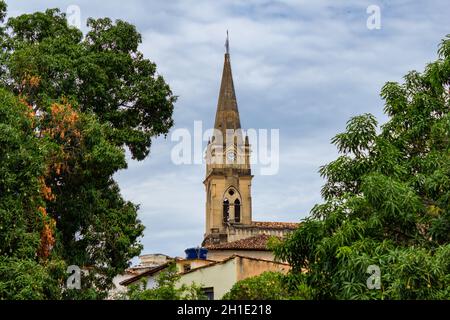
x: 234, y: 256
x: 258, y: 242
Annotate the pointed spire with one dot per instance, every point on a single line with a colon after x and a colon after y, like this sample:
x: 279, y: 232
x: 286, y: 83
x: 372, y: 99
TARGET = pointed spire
x: 227, y: 115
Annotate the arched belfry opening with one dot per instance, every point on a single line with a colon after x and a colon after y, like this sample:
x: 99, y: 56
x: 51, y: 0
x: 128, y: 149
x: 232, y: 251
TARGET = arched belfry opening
x: 226, y: 210
x: 232, y: 206
x: 237, y: 210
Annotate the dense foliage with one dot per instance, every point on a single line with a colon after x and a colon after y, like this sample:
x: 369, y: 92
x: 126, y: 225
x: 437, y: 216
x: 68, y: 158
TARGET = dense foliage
x: 269, y: 286
x: 387, y: 199
x: 69, y: 105
x: 22, y: 221
x: 44, y: 59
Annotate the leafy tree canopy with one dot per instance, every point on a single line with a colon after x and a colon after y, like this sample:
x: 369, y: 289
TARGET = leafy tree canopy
x: 45, y: 59
x: 269, y: 286
x: 69, y: 104
x: 387, y: 199
x: 22, y: 221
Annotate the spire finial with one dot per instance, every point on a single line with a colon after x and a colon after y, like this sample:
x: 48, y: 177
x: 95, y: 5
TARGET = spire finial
x: 227, y: 115
x: 227, y: 44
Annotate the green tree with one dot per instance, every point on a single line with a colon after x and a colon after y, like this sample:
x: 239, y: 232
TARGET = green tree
x: 269, y: 286
x: 22, y: 163
x: 166, y: 288
x: 95, y: 227
x: 59, y: 205
x: 387, y: 199
x: 45, y: 59
x: 69, y: 105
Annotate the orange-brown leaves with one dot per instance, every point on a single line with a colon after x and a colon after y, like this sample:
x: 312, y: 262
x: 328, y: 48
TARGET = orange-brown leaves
x: 63, y: 122
x: 60, y: 125
x: 31, y: 81
x: 46, y: 191
x: 63, y: 129
x: 47, y: 236
x: 48, y: 224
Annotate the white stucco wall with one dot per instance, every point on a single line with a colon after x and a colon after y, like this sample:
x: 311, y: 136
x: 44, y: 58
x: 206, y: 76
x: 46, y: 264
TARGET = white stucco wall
x: 193, y: 263
x: 151, y: 282
x: 220, y: 276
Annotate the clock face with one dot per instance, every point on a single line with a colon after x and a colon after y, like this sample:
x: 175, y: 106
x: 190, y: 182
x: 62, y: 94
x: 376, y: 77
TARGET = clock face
x: 231, y: 156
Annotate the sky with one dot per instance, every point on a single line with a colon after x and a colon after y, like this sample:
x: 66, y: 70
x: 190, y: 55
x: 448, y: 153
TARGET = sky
x: 303, y: 67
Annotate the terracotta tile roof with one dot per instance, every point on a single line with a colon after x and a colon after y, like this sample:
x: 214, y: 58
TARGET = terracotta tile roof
x: 276, y: 225
x: 258, y: 242
x: 234, y: 256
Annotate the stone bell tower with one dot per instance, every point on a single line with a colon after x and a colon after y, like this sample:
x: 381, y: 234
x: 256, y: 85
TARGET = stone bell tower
x: 228, y: 173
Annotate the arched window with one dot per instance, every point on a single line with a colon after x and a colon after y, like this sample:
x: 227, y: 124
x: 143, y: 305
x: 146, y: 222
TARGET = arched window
x: 237, y: 210
x: 226, y: 210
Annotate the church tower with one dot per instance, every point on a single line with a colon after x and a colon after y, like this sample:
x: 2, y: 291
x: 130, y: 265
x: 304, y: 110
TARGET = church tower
x: 230, y: 228
x: 228, y: 173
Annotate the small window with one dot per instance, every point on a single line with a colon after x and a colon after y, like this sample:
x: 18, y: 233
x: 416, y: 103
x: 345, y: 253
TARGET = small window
x: 187, y: 267
x: 209, y: 293
x: 231, y: 192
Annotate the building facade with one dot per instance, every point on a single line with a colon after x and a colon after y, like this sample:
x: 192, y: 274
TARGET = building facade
x: 216, y: 279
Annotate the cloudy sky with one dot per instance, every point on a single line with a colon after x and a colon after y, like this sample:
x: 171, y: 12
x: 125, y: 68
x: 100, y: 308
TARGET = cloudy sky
x: 304, y: 67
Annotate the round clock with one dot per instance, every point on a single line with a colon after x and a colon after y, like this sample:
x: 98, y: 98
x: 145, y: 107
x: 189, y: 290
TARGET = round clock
x: 231, y: 156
